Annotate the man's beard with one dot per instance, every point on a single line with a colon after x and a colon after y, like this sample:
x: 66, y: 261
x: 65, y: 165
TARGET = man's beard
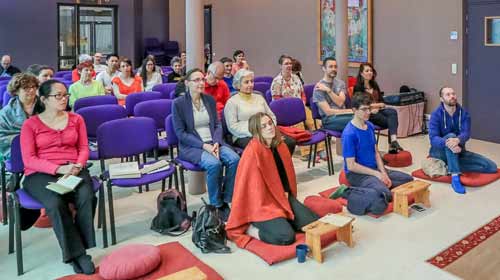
x: 451, y: 103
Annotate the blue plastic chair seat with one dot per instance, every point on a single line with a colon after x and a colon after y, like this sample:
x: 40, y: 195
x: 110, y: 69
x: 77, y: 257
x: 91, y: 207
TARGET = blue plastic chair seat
x: 145, y: 178
x: 189, y: 165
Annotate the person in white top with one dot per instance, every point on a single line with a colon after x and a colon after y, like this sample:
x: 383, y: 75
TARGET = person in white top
x: 98, y: 67
x: 150, y: 76
x: 111, y: 71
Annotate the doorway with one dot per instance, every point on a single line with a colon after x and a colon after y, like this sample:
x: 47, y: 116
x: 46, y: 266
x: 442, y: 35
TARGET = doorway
x: 482, y: 57
x: 208, y: 34
x: 85, y: 29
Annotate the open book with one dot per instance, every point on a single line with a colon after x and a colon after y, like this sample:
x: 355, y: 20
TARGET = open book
x: 336, y: 219
x: 158, y: 166
x: 64, y: 185
x: 124, y: 170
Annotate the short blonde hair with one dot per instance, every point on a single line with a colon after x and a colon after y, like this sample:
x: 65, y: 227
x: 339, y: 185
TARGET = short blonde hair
x: 238, y: 77
x: 255, y: 129
x: 21, y: 80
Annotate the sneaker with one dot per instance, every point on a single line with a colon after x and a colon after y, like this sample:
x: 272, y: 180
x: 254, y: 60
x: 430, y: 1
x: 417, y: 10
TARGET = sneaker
x: 76, y: 267
x: 457, y: 185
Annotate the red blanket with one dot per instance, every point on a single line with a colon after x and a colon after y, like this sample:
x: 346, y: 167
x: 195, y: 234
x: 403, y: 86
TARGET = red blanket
x: 258, y: 192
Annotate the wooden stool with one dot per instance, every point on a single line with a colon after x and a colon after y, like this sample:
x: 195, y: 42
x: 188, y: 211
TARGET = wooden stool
x: 192, y: 273
x: 420, y: 191
x: 316, y: 229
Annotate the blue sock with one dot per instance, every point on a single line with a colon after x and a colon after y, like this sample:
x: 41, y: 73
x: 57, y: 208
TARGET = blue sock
x: 456, y: 185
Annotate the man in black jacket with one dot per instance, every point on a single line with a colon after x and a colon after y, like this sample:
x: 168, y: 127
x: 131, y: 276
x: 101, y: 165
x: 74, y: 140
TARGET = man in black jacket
x: 6, y: 69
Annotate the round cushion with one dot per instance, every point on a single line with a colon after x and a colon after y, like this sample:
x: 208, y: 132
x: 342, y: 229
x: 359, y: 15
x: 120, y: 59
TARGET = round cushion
x: 130, y: 262
x: 343, y: 179
x: 401, y: 159
x: 321, y: 205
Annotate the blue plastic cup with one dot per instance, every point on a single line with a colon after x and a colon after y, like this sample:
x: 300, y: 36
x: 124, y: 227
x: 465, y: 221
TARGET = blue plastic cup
x: 301, y: 252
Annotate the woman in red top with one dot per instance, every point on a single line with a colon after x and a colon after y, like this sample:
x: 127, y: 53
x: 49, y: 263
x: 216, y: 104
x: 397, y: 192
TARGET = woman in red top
x: 54, y: 143
x: 126, y: 82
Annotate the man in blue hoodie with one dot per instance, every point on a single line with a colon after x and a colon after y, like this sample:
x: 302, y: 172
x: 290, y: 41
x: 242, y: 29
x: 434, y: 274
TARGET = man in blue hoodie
x: 449, y: 130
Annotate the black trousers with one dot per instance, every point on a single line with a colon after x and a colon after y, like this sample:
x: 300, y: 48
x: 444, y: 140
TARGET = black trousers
x: 387, y: 119
x: 73, y: 236
x: 281, y: 231
x: 243, y: 142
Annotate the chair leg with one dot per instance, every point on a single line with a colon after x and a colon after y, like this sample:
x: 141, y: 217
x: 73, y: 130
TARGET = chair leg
x: 19, y: 242
x: 102, y: 217
x: 11, y: 224
x: 314, y: 154
x: 176, y: 179
x: 170, y: 181
x: 4, y: 195
x: 330, y: 155
x: 183, y: 185
x: 111, y: 214
x: 327, y: 148
x: 309, y: 158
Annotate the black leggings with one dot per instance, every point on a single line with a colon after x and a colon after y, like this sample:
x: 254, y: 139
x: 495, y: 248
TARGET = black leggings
x: 387, y: 119
x: 243, y: 142
x: 280, y: 231
x: 73, y: 236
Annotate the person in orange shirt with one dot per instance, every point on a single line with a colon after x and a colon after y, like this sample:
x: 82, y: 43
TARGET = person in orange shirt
x: 75, y: 76
x: 239, y: 62
x: 126, y: 82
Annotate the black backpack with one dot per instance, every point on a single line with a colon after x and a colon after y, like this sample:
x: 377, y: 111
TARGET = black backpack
x: 209, y: 233
x: 172, y: 214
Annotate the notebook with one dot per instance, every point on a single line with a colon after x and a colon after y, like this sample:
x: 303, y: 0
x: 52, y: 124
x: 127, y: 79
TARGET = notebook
x: 124, y: 170
x: 64, y: 185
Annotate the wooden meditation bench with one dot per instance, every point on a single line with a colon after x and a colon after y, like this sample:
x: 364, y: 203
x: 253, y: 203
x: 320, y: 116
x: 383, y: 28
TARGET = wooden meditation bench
x: 420, y: 191
x: 316, y: 229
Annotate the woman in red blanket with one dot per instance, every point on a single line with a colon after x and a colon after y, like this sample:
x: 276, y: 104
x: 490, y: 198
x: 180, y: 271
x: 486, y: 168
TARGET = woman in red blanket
x: 265, y: 190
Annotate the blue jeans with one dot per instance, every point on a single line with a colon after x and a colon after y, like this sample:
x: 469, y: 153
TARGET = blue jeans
x: 336, y: 122
x: 217, y: 193
x: 464, y: 161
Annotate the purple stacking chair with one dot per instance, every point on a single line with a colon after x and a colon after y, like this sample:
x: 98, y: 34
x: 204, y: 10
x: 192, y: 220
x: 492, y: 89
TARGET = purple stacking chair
x: 5, y: 99
x: 308, y: 92
x: 268, y: 97
x: 266, y: 79
x: 60, y: 74
x: 227, y: 136
x: 133, y: 99
x: 4, y: 82
x: 261, y: 87
x: 68, y: 77
x: 3, y: 88
x: 94, y: 116
x: 94, y: 101
x: 5, y: 78
x: 173, y: 142
x: 21, y: 199
x: 118, y: 139
x: 172, y: 95
x: 291, y: 111
x: 166, y: 69
x: 165, y: 89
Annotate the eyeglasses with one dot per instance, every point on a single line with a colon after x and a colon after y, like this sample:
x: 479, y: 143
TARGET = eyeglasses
x: 365, y: 109
x: 59, y: 96
x: 198, y: 80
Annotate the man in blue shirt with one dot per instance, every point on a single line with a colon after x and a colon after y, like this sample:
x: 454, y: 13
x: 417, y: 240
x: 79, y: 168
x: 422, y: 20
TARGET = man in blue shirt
x: 371, y: 181
x: 228, y: 77
x: 449, y: 130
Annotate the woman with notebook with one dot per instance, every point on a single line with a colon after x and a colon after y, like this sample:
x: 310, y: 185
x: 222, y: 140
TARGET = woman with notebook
x: 54, y: 144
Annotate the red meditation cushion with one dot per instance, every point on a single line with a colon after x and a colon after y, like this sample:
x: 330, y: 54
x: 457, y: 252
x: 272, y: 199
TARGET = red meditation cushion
x: 401, y: 159
x: 469, y: 179
x: 43, y: 221
x: 343, y: 179
x: 130, y: 262
x: 321, y: 205
x: 275, y: 253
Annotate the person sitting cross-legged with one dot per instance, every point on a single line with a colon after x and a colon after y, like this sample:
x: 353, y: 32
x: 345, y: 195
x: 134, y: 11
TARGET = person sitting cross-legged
x: 266, y: 189
x: 449, y: 130
x: 370, y: 180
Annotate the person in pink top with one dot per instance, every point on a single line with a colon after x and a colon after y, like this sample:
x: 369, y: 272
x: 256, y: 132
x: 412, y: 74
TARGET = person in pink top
x: 54, y: 144
x: 239, y: 62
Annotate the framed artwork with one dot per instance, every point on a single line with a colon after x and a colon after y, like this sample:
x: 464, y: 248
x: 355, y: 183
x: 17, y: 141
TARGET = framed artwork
x: 492, y: 31
x: 359, y: 30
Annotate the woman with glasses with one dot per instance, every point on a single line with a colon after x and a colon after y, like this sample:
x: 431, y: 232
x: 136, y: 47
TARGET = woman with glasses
x: 386, y: 118
x: 126, y: 83
x: 86, y: 86
x: 54, y: 144
x: 149, y: 75
x: 240, y: 107
x: 22, y: 88
x: 266, y: 190
x: 200, y: 140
